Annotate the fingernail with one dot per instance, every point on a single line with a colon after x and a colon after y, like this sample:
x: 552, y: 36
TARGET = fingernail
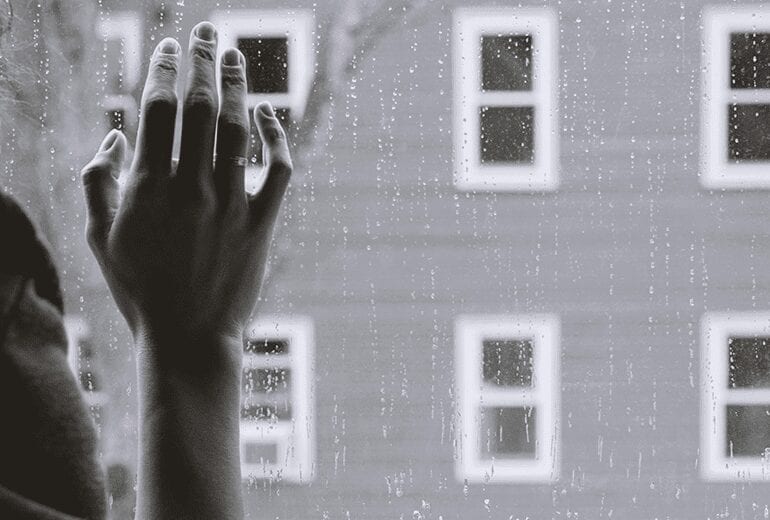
x: 266, y: 109
x: 168, y: 46
x: 205, y: 31
x: 109, y: 140
x: 231, y: 57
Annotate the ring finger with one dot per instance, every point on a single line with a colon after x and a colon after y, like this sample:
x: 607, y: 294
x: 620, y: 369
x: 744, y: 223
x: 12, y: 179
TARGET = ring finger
x: 232, y: 130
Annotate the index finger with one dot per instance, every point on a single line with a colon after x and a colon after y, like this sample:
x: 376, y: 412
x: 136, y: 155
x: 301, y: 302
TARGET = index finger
x: 155, y: 137
x: 278, y: 165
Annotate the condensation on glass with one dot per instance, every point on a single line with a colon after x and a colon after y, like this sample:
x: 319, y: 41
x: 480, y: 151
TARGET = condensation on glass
x: 277, y: 419
x: 507, y: 374
x: 505, y: 99
x: 279, y: 50
x: 735, y: 147
x: 735, y: 405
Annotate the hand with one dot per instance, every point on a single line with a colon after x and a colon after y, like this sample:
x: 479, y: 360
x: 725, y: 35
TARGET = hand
x: 183, y: 249
x: 183, y: 246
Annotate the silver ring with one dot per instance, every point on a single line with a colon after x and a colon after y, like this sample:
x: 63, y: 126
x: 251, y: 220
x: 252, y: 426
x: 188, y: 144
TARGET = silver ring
x: 234, y: 160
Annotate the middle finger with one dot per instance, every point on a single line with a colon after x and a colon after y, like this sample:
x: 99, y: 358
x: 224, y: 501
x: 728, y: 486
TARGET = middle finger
x: 200, y: 107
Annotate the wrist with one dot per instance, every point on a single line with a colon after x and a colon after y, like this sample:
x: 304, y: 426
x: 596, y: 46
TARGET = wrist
x: 212, y: 357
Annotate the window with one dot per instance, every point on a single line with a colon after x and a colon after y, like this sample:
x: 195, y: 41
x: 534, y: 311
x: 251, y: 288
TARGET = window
x: 507, y: 386
x: 735, y: 407
x: 735, y: 141
x: 505, y: 91
x: 277, y: 439
x: 121, y: 34
x: 84, y: 362
x: 278, y: 47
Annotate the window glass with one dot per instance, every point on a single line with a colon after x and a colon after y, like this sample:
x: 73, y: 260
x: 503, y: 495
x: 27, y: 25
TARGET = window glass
x: 749, y: 362
x: 748, y: 431
x: 266, y: 379
x: 506, y: 62
x: 114, y: 52
x: 508, y: 362
x: 266, y: 64
x: 750, y: 60
x: 486, y: 281
x: 507, y: 134
x: 116, y: 119
x: 267, y: 346
x: 749, y: 132
x: 254, y: 408
x: 260, y: 453
x: 508, y: 432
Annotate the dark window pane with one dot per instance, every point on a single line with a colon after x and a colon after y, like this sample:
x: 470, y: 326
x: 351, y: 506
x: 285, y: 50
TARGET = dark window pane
x: 507, y: 134
x: 254, y: 453
x: 748, y: 431
x: 749, y: 362
x: 750, y: 60
x: 280, y: 411
x: 506, y: 62
x: 508, y: 362
x: 255, y: 144
x: 267, y: 346
x: 266, y: 379
x: 116, y: 119
x: 749, y: 132
x: 114, y: 66
x: 508, y: 432
x: 267, y: 67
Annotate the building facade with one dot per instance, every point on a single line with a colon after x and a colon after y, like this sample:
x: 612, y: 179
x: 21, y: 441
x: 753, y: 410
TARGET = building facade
x: 519, y: 271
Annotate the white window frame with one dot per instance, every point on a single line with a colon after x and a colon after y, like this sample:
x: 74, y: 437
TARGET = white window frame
x: 469, y: 26
x: 126, y: 26
x: 716, y: 171
x: 716, y: 329
x: 298, y: 26
x: 76, y: 328
x: 473, y: 394
x: 295, y: 437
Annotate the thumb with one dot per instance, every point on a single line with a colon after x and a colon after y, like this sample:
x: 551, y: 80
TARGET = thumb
x: 101, y: 186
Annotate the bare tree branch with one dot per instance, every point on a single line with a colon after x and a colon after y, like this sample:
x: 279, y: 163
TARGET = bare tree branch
x: 352, y: 32
x: 351, y: 35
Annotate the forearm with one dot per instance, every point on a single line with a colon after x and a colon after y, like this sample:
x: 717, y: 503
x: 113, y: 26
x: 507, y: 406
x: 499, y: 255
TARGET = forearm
x: 189, y: 464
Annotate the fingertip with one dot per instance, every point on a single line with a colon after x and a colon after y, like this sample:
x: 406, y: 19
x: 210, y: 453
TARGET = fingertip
x: 113, y: 148
x: 205, y: 31
x: 168, y: 46
x: 263, y: 111
x: 232, y: 57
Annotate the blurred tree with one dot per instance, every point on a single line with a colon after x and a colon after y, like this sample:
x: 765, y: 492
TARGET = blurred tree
x: 46, y: 91
x: 347, y: 37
